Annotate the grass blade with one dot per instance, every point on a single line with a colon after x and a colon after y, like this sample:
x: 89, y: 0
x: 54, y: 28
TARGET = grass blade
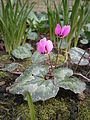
x: 31, y: 106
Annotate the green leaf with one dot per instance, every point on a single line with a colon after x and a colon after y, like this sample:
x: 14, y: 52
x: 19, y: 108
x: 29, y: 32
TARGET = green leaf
x: 42, y: 17
x: 62, y: 73
x: 74, y: 14
x: 87, y: 27
x: 65, y: 9
x: 31, y: 106
x: 76, y: 54
x: 37, y: 57
x: 32, y: 16
x: 32, y: 35
x: 39, y: 88
x: 73, y: 84
x: 38, y: 70
x: 62, y: 79
x: 11, y: 67
x: 21, y: 52
x: 87, y: 34
x: 84, y: 41
x: 27, y: 45
x: 13, y: 23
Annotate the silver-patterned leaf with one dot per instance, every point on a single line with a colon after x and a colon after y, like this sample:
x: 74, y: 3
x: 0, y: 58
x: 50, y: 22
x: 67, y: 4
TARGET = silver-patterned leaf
x: 37, y: 70
x: 27, y: 45
x: 37, y: 57
x: 62, y: 73
x: 10, y: 67
x: 73, y: 84
x: 21, y: 52
x: 76, y: 54
x: 39, y: 88
x: 84, y: 41
x: 32, y: 35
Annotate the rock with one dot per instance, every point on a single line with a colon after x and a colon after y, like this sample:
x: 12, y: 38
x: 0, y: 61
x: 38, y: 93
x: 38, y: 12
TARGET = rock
x: 2, y: 83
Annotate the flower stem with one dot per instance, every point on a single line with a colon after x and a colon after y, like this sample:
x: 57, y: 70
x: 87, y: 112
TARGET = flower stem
x: 59, y: 50
x: 50, y: 62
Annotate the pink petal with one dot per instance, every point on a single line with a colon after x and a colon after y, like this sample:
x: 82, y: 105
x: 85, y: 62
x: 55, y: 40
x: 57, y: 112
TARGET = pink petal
x: 89, y: 59
x: 49, y: 46
x: 65, y: 30
x: 43, y: 41
x: 41, y: 46
x: 57, y: 29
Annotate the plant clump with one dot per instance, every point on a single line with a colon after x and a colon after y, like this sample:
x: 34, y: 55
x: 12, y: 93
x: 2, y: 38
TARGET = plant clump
x: 3, y: 74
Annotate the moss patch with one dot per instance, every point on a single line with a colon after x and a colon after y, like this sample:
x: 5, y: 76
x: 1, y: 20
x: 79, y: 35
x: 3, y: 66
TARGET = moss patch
x: 4, y: 58
x: 52, y: 109
x: 26, y: 63
x: 3, y: 74
x: 84, y: 112
x: 61, y: 59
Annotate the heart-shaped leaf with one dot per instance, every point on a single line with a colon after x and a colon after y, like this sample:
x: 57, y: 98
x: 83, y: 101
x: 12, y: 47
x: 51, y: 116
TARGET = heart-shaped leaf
x: 42, y: 17
x: 84, y: 41
x: 39, y: 88
x: 37, y: 70
x: 28, y: 46
x: 21, y: 52
x: 73, y: 84
x: 32, y: 35
x: 32, y: 16
x: 37, y: 57
x: 11, y: 67
x: 62, y: 73
x: 62, y: 79
x: 76, y: 54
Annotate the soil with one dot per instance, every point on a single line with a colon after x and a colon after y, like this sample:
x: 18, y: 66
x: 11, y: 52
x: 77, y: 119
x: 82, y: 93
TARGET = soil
x: 65, y: 106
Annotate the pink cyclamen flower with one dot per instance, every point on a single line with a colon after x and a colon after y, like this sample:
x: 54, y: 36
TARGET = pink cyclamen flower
x: 62, y: 32
x: 44, y: 46
x: 89, y: 59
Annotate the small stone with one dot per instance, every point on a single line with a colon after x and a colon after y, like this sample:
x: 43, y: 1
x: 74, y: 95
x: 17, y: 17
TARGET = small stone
x: 2, y: 83
x: 81, y: 96
x: 7, y: 89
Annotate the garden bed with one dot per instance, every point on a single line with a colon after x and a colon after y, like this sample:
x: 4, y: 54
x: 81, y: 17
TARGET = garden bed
x: 46, y: 55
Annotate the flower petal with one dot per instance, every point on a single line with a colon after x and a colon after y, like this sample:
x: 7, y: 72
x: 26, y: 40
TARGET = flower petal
x: 41, y: 46
x: 65, y: 30
x: 57, y: 29
x: 49, y: 46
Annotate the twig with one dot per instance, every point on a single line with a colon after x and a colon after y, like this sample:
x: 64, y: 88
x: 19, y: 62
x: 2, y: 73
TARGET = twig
x: 79, y: 74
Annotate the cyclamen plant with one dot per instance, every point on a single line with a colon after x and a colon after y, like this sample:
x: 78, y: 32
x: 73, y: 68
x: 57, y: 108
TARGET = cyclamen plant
x: 61, y: 33
x: 42, y: 83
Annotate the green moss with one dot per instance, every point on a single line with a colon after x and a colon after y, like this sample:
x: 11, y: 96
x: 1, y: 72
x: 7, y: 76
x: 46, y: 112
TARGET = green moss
x: 4, y: 58
x: 61, y: 59
x: 3, y: 74
x: 52, y: 109
x: 26, y: 63
x: 23, y: 111
x: 48, y: 110
x: 84, y: 112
